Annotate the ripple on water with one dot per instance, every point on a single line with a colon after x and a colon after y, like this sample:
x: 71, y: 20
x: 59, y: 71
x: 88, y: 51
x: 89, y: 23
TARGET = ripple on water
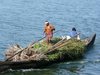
x: 21, y: 21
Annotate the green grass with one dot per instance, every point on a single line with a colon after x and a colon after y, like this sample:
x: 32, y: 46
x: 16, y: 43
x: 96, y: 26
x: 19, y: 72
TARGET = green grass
x: 43, y: 46
x: 73, y: 48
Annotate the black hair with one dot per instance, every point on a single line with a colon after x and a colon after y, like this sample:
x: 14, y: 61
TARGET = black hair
x: 73, y: 29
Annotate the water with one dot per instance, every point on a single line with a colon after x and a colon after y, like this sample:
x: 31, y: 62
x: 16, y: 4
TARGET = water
x: 21, y: 21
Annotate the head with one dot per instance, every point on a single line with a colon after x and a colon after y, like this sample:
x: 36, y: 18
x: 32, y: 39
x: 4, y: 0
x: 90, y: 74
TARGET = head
x: 73, y: 29
x: 46, y: 23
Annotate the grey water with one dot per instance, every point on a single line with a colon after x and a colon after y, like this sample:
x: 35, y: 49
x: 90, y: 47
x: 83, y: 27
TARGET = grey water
x: 22, y: 22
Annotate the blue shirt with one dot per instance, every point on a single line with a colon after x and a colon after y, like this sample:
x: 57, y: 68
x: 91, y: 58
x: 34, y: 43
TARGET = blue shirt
x: 73, y: 34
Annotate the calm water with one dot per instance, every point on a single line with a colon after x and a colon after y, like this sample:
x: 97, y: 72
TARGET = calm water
x: 21, y: 21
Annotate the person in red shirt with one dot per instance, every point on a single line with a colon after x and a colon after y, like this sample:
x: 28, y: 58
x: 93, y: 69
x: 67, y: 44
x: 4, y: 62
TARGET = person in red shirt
x: 48, y: 30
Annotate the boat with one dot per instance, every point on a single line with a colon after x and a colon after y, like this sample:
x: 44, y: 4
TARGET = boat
x: 16, y: 65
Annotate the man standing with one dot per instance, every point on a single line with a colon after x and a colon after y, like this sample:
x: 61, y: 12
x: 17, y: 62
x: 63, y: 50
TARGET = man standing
x: 48, y: 30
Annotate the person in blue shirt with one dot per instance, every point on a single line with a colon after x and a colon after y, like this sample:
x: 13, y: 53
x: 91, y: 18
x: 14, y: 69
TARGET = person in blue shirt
x: 74, y: 34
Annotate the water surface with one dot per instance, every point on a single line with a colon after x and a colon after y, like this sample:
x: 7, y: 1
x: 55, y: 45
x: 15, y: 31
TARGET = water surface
x: 21, y: 21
